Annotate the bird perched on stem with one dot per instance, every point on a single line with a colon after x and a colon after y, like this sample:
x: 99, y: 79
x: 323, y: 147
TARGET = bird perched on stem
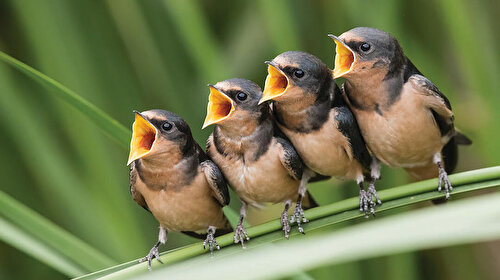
x: 404, y: 118
x: 172, y: 177
x: 260, y: 164
x: 309, y: 109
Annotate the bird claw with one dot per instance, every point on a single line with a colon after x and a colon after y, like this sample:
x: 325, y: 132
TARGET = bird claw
x: 372, y: 193
x: 240, y: 234
x: 210, y: 241
x: 285, y: 224
x: 443, y: 178
x: 366, y: 203
x: 299, y: 216
x: 153, y: 254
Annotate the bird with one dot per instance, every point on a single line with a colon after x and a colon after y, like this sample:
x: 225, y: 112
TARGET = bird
x: 258, y: 161
x: 404, y: 118
x: 311, y: 112
x: 171, y: 177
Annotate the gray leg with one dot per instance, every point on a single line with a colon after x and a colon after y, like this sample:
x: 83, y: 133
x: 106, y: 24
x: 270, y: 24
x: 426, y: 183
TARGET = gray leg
x: 298, y: 214
x: 284, y: 219
x: 366, y: 204
x: 153, y: 253
x: 240, y: 233
x: 443, y: 176
x: 375, y: 175
x: 210, y: 241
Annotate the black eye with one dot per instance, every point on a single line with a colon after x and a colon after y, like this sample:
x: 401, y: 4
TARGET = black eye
x: 166, y: 126
x: 299, y: 73
x: 241, y: 96
x: 365, y: 47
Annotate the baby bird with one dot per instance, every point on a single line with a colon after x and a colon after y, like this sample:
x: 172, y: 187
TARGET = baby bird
x: 171, y: 177
x: 259, y: 163
x: 309, y: 109
x: 404, y: 118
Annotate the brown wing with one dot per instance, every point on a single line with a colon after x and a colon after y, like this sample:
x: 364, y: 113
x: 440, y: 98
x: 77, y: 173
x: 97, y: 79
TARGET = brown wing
x: 216, y: 181
x: 214, y: 176
x: 133, y: 176
x: 437, y: 103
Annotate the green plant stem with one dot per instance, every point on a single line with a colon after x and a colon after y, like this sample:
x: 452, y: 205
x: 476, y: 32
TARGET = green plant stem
x: 51, y: 235
x: 468, y: 221
x: 111, y: 127
x: 325, y: 216
x: 23, y: 241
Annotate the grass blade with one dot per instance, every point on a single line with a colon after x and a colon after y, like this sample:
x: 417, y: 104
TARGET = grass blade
x: 198, y: 39
x: 324, y: 216
x: 24, y: 242
x: 461, y: 222
x: 281, y: 25
x: 110, y: 126
x: 52, y: 241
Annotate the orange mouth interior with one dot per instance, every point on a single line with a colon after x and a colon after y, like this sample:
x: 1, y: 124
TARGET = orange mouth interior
x: 143, y: 138
x: 219, y: 107
x: 344, y: 60
x: 276, y: 84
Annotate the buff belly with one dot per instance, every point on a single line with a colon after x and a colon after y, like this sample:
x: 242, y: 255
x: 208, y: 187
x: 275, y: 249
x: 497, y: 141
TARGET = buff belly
x: 405, y: 136
x: 264, y: 180
x: 186, y: 208
x: 326, y: 151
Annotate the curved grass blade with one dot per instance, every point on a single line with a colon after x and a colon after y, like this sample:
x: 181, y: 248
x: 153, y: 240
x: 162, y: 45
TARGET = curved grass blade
x: 110, y: 126
x: 461, y: 222
x: 322, y: 217
x: 51, y: 240
x: 23, y: 241
x: 198, y: 39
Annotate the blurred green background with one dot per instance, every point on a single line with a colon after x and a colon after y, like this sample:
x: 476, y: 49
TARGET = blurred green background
x: 128, y: 54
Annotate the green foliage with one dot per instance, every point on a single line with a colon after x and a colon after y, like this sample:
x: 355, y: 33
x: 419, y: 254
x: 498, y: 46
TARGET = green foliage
x: 125, y: 55
x: 321, y: 217
x: 38, y: 237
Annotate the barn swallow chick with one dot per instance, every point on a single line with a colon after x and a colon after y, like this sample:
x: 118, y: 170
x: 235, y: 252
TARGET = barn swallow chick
x: 172, y: 177
x: 259, y: 164
x: 309, y: 109
x: 404, y: 118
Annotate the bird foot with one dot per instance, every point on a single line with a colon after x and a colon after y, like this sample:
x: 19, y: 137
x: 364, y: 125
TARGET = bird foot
x: 366, y: 203
x: 299, y: 216
x: 210, y: 241
x: 153, y: 254
x: 443, y: 178
x: 372, y: 193
x: 285, y: 224
x: 240, y: 234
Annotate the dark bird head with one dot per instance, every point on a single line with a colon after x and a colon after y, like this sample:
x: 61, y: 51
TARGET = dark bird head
x: 159, y: 132
x: 294, y: 76
x: 365, y: 52
x: 234, y: 102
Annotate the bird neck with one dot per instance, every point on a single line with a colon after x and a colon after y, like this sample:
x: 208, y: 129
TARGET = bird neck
x: 308, y: 113
x: 375, y: 93
x: 167, y: 169
x: 248, y: 145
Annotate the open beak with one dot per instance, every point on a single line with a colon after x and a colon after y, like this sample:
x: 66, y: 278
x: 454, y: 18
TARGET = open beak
x: 345, y: 58
x: 219, y: 108
x: 144, y: 135
x: 276, y: 83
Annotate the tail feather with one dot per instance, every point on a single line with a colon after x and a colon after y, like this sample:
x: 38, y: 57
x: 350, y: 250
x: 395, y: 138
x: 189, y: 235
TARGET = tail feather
x: 461, y: 139
x: 309, y: 201
x: 450, y: 150
x: 202, y: 236
x: 450, y: 155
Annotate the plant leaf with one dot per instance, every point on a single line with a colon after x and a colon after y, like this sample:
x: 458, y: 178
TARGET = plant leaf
x: 321, y: 217
x: 469, y: 221
x: 111, y: 127
x: 42, y: 239
x: 23, y: 241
